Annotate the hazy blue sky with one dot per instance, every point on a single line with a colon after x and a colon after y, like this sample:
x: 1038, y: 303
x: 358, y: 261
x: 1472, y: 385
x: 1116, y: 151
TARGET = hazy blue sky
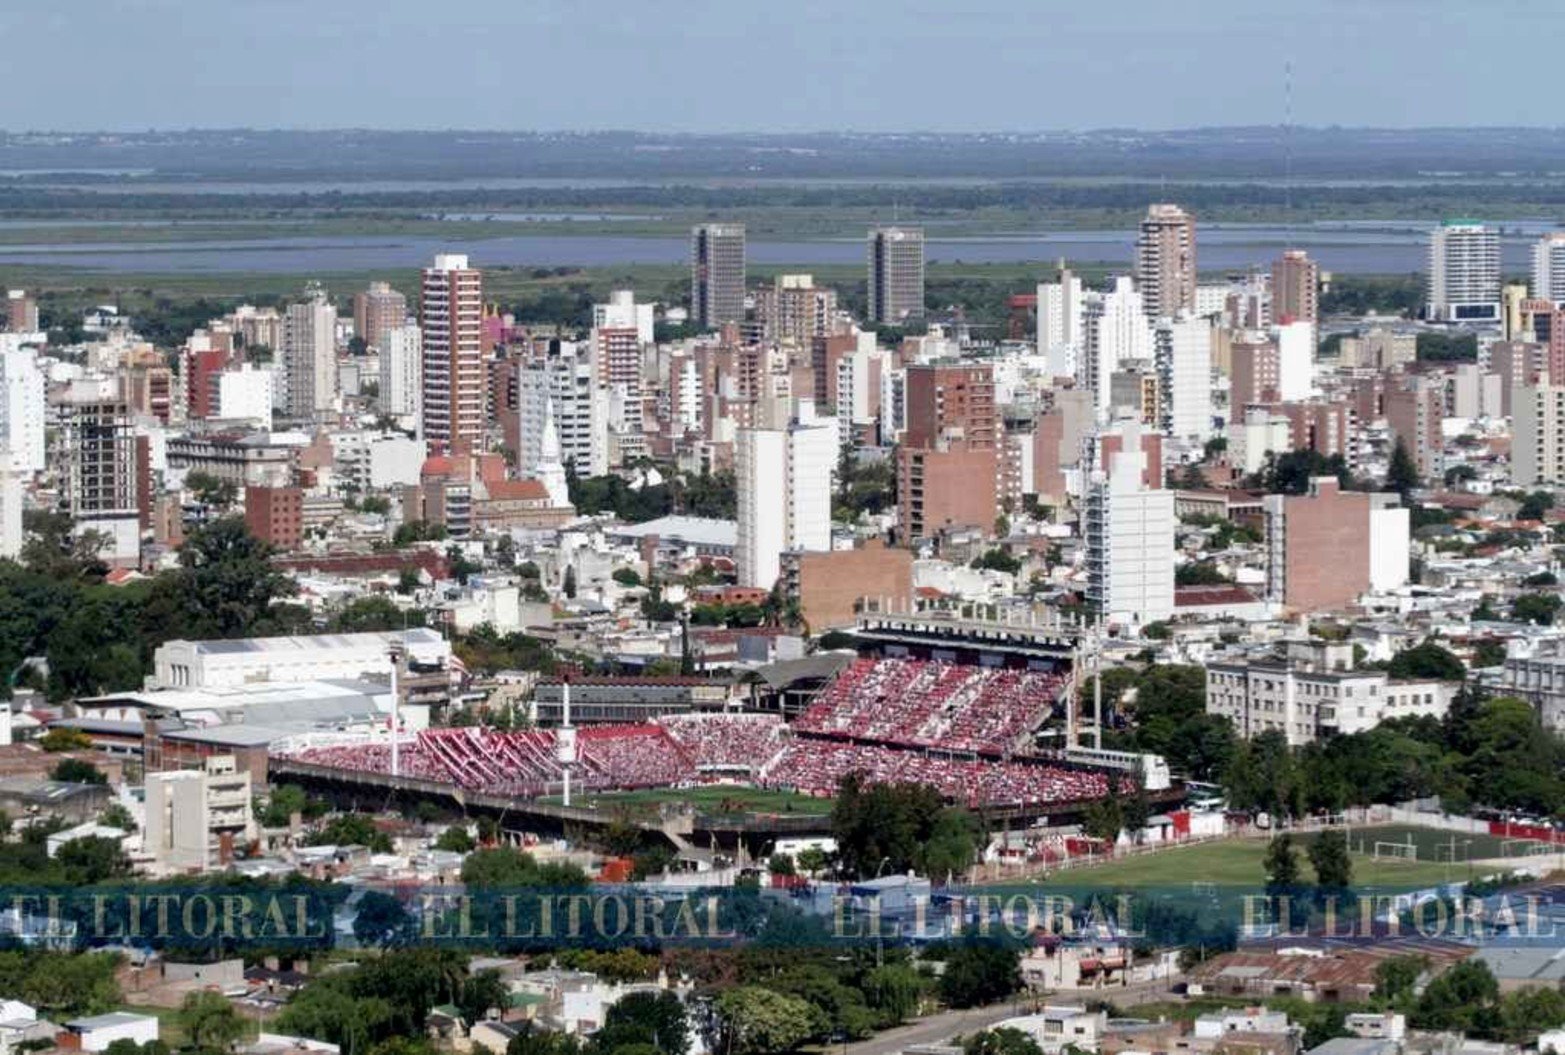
x: 785, y: 65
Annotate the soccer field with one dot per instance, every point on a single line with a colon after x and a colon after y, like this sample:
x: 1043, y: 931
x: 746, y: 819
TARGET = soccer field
x: 713, y: 799
x: 1238, y: 862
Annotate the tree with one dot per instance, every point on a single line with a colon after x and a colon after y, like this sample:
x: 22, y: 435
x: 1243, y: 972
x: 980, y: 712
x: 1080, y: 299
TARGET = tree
x: 61, y: 738
x: 455, y: 839
x: 893, y: 990
x: 351, y: 829
x: 211, y: 491
x: 754, y: 1020
x: 1396, y: 978
x: 55, y: 549
x: 626, y: 576
x: 225, y: 586
x: 1402, y: 473
x: 92, y: 859
x: 210, y: 1021
x: 381, y: 920
x: 979, y: 972
x: 373, y: 613
x: 1539, y: 608
x: 1462, y: 999
x: 1525, y: 1013
x: 506, y: 866
x: 1329, y: 857
x: 1427, y: 661
x: 657, y: 1019
x: 812, y: 859
x: 1005, y: 1040
x: 1200, y: 573
x: 534, y: 1040
x: 76, y: 771
x: 1535, y: 505
x: 114, y: 815
x: 568, y: 587
x: 894, y: 827
x: 481, y: 993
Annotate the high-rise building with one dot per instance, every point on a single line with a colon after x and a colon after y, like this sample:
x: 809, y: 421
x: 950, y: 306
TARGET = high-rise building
x: 106, y: 465
x: 1184, y: 370
x: 1414, y: 410
x: 1327, y: 547
x: 22, y: 388
x: 717, y: 274
x: 1295, y: 287
x: 896, y: 275
x: 309, y: 356
x: 1060, y: 306
x: 1115, y: 328
x: 21, y: 312
x: 1295, y: 359
x: 1548, y: 267
x: 1538, y: 444
x: 1464, y: 272
x: 796, y: 309
x: 1165, y: 261
x: 1256, y: 373
x: 452, y: 317
x: 1129, y: 531
x: 560, y: 384
x: 11, y: 535
x: 784, y: 481
x: 622, y: 312
x: 950, y: 401
x: 377, y: 311
x: 401, y: 370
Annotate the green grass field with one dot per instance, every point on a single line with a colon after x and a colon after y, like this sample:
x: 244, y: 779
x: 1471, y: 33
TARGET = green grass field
x: 718, y: 799
x: 1238, y: 862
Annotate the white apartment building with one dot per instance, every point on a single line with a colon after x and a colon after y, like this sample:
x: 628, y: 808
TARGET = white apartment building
x: 245, y: 394
x: 1184, y: 369
x: 401, y: 371
x: 22, y: 406
x: 1464, y: 273
x: 623, y: 313
x: 197, y: 818
x: 1060, y: 307
x: 1295, y: 359
x: 563, y: 381
x: 784, y: 480
x: 1313, y: 690
x: 309, y: 357
x: 1548, y: 267
x: 1129, y: 532
x: 1538, y: 434
x: 11, y: 535
x: 1115, y: 328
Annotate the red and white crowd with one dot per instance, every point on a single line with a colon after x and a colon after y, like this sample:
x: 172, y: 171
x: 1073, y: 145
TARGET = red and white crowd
x: 888, y: 720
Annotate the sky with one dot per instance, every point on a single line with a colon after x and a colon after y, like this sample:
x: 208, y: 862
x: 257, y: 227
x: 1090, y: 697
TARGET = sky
x: 781, y: 65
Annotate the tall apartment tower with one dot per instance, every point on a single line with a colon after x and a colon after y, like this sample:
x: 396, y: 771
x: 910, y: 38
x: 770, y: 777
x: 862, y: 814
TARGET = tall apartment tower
x: 1129, y: 530
x: 717, y: 270
x: 1464, y: 272
x: 784, y: 493
x: 401, y: 367
x: 452, y: 318
x: 1165, y: 261
x: 1184, y: 372
x: 1548, y: 267
x: 1295, y: 287
x: 23, y: 385
x: 376, y: 311
x: 21, y: 312
x: 1060, y: 307
x: 1115, y: 328
x: 896, y: 275
x: 106, y: 464
x: 310, y: 356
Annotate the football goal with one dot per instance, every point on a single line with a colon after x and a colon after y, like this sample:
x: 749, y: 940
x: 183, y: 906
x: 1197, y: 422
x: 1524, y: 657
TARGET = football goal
x: 1385, y: 851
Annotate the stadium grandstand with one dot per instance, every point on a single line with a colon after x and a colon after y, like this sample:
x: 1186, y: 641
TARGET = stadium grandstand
x: 962, y: 719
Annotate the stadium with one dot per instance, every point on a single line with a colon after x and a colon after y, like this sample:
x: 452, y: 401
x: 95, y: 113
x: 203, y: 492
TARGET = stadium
x: 955, y: 705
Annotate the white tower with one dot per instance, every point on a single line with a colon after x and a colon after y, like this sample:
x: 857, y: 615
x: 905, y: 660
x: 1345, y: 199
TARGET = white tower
x: 565, y: 740
x: 551, y: 471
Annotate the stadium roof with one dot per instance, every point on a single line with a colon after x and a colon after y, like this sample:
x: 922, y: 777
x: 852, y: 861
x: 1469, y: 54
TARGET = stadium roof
x: 312, y: 642
x: 702, y: 531
x: 306, y: 703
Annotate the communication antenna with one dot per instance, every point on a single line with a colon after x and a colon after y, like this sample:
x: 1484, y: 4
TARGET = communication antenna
x: 1287, y: 143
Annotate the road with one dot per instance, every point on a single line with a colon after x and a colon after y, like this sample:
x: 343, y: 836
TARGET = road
x: 939, y: 1028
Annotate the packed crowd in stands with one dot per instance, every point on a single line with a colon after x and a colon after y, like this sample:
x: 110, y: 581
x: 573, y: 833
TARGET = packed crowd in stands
x: 816, y: 767
x: 726, y: 742
x: 927, y: 704
x: 889, y: 720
